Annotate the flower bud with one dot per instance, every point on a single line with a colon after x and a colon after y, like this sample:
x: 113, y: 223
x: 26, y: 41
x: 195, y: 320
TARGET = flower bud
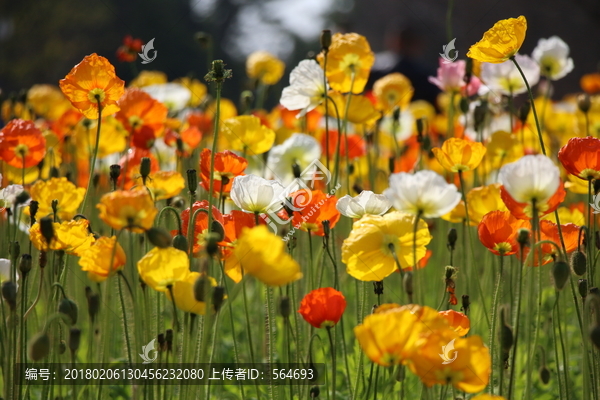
x: 9, y: 293
x: 466, y: 303
x: 578, y: 263
x: 407, y: 282
x: 593, y: 290
x: 325, y: 39
x: 145, y: 167
x: 544, y: 375
x: 74, y: 339
x: 396, y: 114
x: 450, y: 271
x: 212, y: 243
x: 479, y: 115
x: 524, y: 111
x: 22, y: 198
x: 68, y: 308
x: 34, y: 206
x: 582, y: 285
x: 218, y: 296
x: 326, y: 228
x: 192, y: 180
x: 378, y: 287
x: 392, y: 164
x: 180, y: 243
x: 314, y: 392
x: 39, y: 346
x: 584, y: 103
x: 54, y: 205
x: 115, y: 172
x: 93, y: 301
x: 523, y: 237
x: 561, y: 273
x: 285, y: 308
x: 96, y: 180
x: 452, y: 238
x: 506, y: 334
x: 47, y: 229
x: 169, y: 339
x: 25, y: 264
x: 159, y: 237
x: 199, y: 288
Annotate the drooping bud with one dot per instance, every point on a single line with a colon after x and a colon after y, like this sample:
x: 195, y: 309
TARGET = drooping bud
x: 396, y: 114
x: 43, y: 259
x: 192, y: 180
x: 544, y: 375
x: 39, y: 346
x: 96, y: 180
x: 578, y: 262
x: 212, y: 243
x: 68, y: 308
x: 595, y: 335
x: 22, y: 198
x: 15, y: 250
x: 420, y: 126
x: 452, y: 238
x: 464, y: 105
x: 326, y: 228
x: 93, y: 301
x: 62, y: 347
x: 325, y: 39
x: 584, y: 103
x: 54, y: 204
x: 218, y: 296
x: 479, y: 115
x: 74, y: 339
x: 561, y: 273
x: 180, y: 242
x: 247, y: 99
x: 9, y: 293
x: 47, y: 229
x: 159, y: 237
x: 506, y: 334
x: 392, y: 164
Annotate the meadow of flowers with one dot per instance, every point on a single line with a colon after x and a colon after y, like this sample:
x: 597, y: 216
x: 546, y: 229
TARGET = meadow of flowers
x: 394, y: 248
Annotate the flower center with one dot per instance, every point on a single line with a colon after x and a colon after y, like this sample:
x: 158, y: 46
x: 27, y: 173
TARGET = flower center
x: 350, y: 63
x: 503, y: 247
x: 22, y: 150
x: 135, y: 121
x: 96, y: 95
x: 589, y: 173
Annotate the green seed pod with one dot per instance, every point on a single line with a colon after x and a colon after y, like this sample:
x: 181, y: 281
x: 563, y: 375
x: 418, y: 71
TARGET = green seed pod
x: 25, y: 264
x: 192, y: 180
x: 561, y: 273
x: 180, y: 242
x: 68, y: 308
x: 578, y: 263
x: 145, y: 168
x: 39, y: 346
x: 159, y: 237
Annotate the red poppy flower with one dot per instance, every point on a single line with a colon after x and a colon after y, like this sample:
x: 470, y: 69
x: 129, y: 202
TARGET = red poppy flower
x: 228, y: 165
x: 581, y: 157
x: 130, y: 165
x: 323, y: 308
x: 128, y: 52
x: 498, y: 232
x: 201, y: 224
x: 313, y: 207
x: 523, y: 210
x: 356, y: 145
x: 22, y: 144
x: 549, y: 231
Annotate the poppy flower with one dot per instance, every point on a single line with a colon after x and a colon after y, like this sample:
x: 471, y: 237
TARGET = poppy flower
x: 254, y: 194
x: 47, y: 101
x: 581, y: 157
x: 366, y: 202
x: 451, y: 78
x: 197, y: 88
x: 149, y: 78
x: 498, y: 232
x: 22, y: 144
x: 531, y: 178
x: 96, y: 260
x: 73, y: 237
x: 356, y: 145
x: 165, y: 184
x: 93, y: 83
x: 128, y: 52
x: 141, y: 116
x: 128, y: 209
x: 368, y: 252
x: 360, y: 109
x: 201, y: 223
x: 323, y: 308
x: 66, y: 123
x: 307, y: 88
x: 245, y: 133
x: 265, y: 67
x: 482, y: 200
x: 262, y: 254
x: 549, y: 231
x: 590, y: 83
x: 228, y: 165
x: 457, y: 321
x: 553, y: 56
x: 349, y: 62
x: 68, y: 195
x: 299, y: 149
x: 524, y: 210
x: 311, y: 208
x: 501, y: 42
x: 130, y: 165
x: 234, y: 224
x: 161, y: 268
x: 183, y: 293
x: 505, y: 77
x: 459, y: 155
x: 393, y: 90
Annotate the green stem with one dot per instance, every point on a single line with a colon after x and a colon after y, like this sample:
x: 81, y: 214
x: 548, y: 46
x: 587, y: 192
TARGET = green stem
x: 175, y: 212
x: 333, y: 362
x: 516, y: 326
x: 95, y: 156
x: 494, y: 318
x: 212, y: 155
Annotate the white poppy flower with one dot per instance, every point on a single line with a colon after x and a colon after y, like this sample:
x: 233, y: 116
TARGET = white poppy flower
x: 404, y: 129
x: 533, y: 177
x: 300, y: 149
x: 4, y: 269
x: 173, y: 95
x: 254, y: 194
x: 553, y: 57
x: 9, y: 194
x: 306, y: 90
x: 425, y: 193
x: 366, y: 202
x: 505, y: 78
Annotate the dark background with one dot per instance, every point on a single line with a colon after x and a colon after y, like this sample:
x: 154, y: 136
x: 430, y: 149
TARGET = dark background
x: 40, y: 41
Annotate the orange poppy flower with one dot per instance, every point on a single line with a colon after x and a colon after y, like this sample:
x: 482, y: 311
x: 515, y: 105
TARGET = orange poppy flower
x: 549, y: 231
x: 201, y: 223
x: 142, y: 116
x: 91, y: 82
x: 581, y: 157
x: 590, y: 83
x: 190, y: 138
x: 523, y: 210
x: 201, y: 120
x: 66, y: 123
x: 319, y: 207
x: 22, y: 145
x: 234, y: 224
x: 130, y: 165
x: 323, y: 308
x: 228, y: 165
x: 356, y: 145
x: 458, y: 321
x: 498, y: 232
x: 128, y: 209
x: 408, y: 157
x: 291, y: 121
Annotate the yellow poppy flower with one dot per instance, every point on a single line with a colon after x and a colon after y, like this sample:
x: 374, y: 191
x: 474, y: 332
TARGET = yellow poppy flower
x: 128, y: 209
x: 567, y: 216
x: 367, y: 252
x: 457, y: 215
x: 246, y: 133
x: 147, y: 78
x: 360, y: 109
x: 183, y: 292
x: 482, y: 200
x: 14, y: 174
x: 97, y: 259
x: 459, y: 155
x: 47, y: 101
x: 197, y: 88
x: 73, y: 237
x: 488, y: 397
x: 393, y: 90
x: 573, y: 184
x: 165, y: 184
x: 68, y: 195
x: 227, y: 109
x: 265, y: 67
x: 501, y: 42
x: 349, y: 62
x: 161, y: 268
x: 113, y: 138
x: 262, y: 254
